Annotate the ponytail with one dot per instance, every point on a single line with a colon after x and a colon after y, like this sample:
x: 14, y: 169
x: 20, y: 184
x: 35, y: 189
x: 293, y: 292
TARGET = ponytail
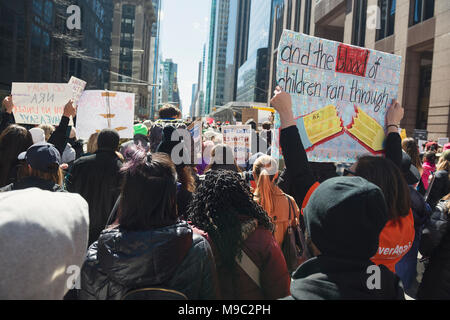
x: 265, y: 190
x: 266, y: 170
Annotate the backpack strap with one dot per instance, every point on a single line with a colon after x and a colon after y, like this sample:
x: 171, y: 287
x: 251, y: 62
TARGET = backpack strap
x: 250, y: 268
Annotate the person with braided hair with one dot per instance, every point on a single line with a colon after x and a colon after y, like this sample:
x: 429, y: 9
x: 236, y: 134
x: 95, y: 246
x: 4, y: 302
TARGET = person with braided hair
x: 240, y: 234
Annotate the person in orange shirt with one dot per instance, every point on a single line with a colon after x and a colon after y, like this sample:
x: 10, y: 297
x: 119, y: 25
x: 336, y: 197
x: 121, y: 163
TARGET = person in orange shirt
x: 398, y: 234
x: 278, y: 205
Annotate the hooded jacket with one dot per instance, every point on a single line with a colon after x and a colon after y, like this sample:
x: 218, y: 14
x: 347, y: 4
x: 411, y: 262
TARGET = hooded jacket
x: 43, y: 238
x: 330, y: 278
x: 169, y: 257
x: 298, y: 180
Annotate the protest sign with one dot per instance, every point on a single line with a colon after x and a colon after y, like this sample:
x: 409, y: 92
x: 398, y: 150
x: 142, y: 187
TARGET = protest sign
x: 340, y: 95
x: 99, y: 110
x: 78, y: 86
x: 40, y: 103
x: 238, y: 137
x: 196, y: 130
x: 420, y: 134
x: 421, y: 144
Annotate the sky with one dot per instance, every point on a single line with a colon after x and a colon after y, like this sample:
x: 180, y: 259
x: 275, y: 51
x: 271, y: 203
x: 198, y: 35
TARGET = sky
x: 184, y: 31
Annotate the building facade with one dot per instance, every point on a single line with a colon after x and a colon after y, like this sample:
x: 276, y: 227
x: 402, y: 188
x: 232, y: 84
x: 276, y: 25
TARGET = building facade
x: 37, y: 46
x: 131, y: 51
x: 253, y: 74
x: 170, y: 93
x: 417, y: 30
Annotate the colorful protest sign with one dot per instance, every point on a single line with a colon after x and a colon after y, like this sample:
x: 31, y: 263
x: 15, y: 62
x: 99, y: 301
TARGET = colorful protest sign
x: 340, y: 95
x: 99, y: 110
x: 239, y: 139
x: 78, y: 86
x: 40, y: 103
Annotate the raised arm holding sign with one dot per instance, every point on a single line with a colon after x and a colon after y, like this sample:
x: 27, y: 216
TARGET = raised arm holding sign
x: 340, y: 95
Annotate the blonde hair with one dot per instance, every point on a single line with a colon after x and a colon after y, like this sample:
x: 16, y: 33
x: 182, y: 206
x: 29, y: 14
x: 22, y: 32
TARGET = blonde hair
x: 92, y: 143
x: 266, y: 170
x: 48, y: 130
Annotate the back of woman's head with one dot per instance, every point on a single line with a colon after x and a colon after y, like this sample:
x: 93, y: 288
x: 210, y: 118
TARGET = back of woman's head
x: 13, y: 140
x: 430, y: 157
x: 409, y: 145
x: 388, y: 177
x: 222, y: 158
x: 444, y: 162
x: 266, y: 170
x: 92, y: 143
x: 148, y: 197
x: 218, y: 206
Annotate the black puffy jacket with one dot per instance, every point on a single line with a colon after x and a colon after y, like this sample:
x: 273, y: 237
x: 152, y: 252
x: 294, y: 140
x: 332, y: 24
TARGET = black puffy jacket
x: 170, y: 257
x: 436, y: 278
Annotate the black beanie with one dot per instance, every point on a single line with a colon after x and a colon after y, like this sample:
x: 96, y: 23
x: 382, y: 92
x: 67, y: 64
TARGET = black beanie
x: 167, y: 145
x: 108, y: 139
x: 344, y: 217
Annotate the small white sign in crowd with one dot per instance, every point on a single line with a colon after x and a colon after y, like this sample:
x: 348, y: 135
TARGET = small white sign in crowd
x: 43, y: 103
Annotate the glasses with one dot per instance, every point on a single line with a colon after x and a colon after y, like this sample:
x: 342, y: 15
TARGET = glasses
x: 348, y: 172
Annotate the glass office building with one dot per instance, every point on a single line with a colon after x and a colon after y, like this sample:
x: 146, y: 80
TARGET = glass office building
x: 254, y: 73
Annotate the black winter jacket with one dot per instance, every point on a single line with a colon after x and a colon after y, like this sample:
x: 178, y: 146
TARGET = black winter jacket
x: 436, y: 244
x: 440, y: 188
x: 329, y: 278
x: 33, y: 182
x: 97, y: 179
x: 170, y: 257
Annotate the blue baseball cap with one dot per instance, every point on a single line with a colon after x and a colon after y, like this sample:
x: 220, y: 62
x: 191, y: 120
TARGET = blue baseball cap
x: 41, y: 156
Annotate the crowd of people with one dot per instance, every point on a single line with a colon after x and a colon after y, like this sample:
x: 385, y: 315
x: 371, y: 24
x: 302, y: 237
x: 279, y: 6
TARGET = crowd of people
x: 113, y: 218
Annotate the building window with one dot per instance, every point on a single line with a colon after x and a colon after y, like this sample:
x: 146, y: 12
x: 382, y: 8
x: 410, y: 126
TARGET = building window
x: 307, y: 21
x: 387, y: 20
x: 359, y: 23
x: 420, y: 10
x: 298, y: 8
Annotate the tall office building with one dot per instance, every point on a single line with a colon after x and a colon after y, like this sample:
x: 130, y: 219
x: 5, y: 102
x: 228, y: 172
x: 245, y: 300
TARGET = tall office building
x: 130, y: 51
x: 193, y: 99
x: 210, y: 57
x: 154, y: 59
x: 231, y: 52
x: 253, y: 74
x: 217, y: 93
x: 170, y: 93
x: 37, y: 46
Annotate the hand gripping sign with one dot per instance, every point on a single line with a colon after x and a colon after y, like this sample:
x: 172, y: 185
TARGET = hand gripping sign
x: 340, y: 95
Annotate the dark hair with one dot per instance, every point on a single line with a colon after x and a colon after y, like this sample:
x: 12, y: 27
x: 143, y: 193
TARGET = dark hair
x: 389, y: 178
x: 409, y: 145
x: 14, y: 140
x: 222, y: 158
x: 429, y: 156
x: 217, y: 208
x: 148, y: 195
x: 54, y: 174
x: 169, y: 111
x: 266, y: 125
x: 108, y: 139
